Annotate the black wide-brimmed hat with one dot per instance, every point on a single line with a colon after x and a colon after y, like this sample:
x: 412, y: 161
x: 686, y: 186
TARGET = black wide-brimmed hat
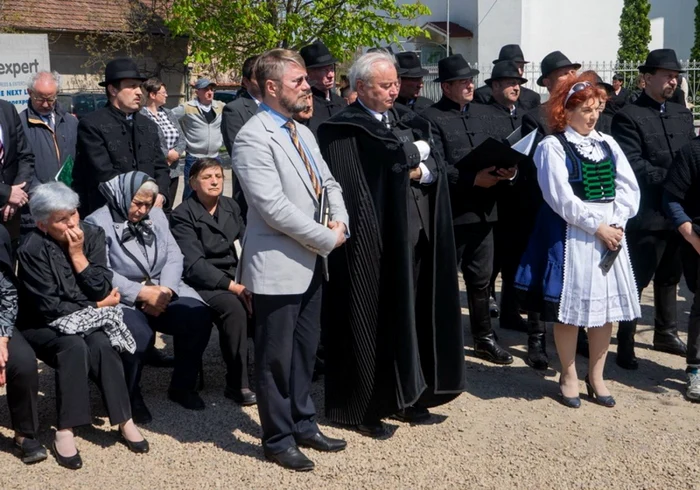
x: 454, y: 67
x: 511, y: 52
x: 599, y: 81
x: 316, y: 55
x: 661, y: 58
x: 505, y: 69
x: 120, y: 69
x: 410, y: 64
x: 553, y: 61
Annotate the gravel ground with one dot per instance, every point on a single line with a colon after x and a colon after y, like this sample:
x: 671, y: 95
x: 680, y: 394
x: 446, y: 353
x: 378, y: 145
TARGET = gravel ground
x: 506, y: 431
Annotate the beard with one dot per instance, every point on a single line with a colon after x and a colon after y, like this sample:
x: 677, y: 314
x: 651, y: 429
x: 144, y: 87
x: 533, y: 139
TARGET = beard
x: 668, y: 92
x: 295, y: 105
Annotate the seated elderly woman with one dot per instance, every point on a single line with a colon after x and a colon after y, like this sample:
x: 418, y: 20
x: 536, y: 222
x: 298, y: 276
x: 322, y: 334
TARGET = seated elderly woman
x: 206, y: 225
x: 147, y: 266
x: 69, y: 314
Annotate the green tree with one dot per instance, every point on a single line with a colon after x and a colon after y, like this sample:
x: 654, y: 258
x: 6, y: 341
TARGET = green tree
x: 229, y: 31
x: 695, y: 51
x: 635, y: 31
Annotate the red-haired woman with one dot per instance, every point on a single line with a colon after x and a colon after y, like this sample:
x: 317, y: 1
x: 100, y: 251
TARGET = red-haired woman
x: 590, y: 192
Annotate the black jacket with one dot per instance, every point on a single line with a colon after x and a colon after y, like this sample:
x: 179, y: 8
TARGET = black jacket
x: 210, y: 259
x: 50, y: 288
x: 417, y: 105
x: 109, y: 146
x: 528, y: 100
x: 650, y: 140
x: 18, y: 164
x: 617, y: 102
x: 235, y: 114
x: 324, y: 109
x: 456, y: 133
x: 51, y: 148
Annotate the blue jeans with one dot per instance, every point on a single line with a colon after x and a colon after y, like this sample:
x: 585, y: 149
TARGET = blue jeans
x: 189, y: 161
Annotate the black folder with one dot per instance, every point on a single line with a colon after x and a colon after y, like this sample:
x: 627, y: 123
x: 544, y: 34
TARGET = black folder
x: 499, y: 154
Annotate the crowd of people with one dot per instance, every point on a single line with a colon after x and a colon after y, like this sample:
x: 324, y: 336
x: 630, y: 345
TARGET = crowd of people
x: 354, y: 212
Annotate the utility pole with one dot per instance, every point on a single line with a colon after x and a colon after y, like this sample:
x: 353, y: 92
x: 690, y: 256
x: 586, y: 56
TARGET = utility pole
x: 448, y: 27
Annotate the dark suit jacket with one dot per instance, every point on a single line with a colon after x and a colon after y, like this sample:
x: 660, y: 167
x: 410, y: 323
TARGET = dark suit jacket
x: 18, y: 164
x: 528, y: 100
x: 236, y: 113
x: 108, y: 147
x: 207, y: 244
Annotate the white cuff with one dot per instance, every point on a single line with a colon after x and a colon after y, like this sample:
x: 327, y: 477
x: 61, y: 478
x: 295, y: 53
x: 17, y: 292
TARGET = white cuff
x: 426, y: 176
x: 423, y: 148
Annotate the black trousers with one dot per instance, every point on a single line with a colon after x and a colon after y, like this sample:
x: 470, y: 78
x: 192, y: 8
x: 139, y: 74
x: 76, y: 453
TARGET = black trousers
x: 475, y: 251
x: 655, y: 255
x: 22, y: 386
x: 231, y: 319
x: 188, y: 320
x: 76, y: 359
x: 691, y: 270
x: 287, y: 332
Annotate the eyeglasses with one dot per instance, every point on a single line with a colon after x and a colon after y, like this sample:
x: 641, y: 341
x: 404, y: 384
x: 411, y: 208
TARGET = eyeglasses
x: 576, y: 88
x: 48, y: 100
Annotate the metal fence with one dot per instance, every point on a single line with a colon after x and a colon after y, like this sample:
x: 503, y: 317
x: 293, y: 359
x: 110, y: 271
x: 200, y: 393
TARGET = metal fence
x: 605, y: 70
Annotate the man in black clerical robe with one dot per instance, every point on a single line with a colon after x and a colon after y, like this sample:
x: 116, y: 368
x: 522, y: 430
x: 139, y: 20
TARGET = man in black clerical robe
x: 396, y: 344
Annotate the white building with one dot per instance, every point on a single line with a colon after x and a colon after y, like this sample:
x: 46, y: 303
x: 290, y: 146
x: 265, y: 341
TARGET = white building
x: 584, y: 30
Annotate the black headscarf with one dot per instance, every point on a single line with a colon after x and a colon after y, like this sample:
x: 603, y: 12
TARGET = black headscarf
x: 119, y: 192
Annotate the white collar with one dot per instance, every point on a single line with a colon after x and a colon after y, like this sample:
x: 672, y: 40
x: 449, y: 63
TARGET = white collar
x: 205, y: 108
x: 377, y: 115
x: 576, y: 138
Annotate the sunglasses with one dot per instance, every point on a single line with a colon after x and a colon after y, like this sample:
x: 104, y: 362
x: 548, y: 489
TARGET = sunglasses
x: 576, y: 88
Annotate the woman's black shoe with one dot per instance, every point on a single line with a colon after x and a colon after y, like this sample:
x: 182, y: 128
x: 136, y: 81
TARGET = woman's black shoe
x: 158, y: 358
x: 372, y: 429
x: 30, y: 451
x: 569, y: 401
x: 188, y: 399
x: 74, y: 462
x: 606, y: 401
x: 139, y: 447
x: 243, y: 397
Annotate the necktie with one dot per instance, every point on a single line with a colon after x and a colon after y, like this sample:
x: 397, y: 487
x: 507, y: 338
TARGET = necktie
x: 297, y: 144
x: 385, y: 120
x: 2, y: 155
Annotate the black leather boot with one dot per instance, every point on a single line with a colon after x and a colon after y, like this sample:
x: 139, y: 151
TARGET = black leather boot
x: 493, y: 304
x: 485, y: 345
x: 510, y: 318
x: 536, y: 343
x: 625, y: 345
x: 666, y: 337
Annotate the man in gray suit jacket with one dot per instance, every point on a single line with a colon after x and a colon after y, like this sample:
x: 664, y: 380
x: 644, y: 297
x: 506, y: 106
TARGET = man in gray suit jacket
x: 282, y: 172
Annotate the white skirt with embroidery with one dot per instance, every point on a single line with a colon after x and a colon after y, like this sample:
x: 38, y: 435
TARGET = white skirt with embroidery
x: 591, y: 298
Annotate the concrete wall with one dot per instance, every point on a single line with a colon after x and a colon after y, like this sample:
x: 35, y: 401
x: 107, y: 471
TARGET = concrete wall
x: 498, y: 23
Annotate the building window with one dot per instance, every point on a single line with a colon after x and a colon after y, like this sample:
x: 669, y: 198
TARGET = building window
x: 430, y: 54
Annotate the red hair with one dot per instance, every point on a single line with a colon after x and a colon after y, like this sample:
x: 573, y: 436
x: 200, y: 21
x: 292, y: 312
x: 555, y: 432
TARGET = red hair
x: 558, y: 105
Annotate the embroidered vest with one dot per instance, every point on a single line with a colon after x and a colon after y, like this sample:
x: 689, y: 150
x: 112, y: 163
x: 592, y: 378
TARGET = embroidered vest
x: 591, y: 181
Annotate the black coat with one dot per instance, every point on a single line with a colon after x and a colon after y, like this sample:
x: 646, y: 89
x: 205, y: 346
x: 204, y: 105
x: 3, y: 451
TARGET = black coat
x: 18, y: 164
x: 324, y: 109
x: 235, y: 114
x: 650, y: 140
x: 528, y: 100
x: 210, y: 258
x: 381, y: 355
x: 108, y: 146
x: 50, y: 288
x: 617, y: 102
x: 456, y: 133
x: 417, y: 105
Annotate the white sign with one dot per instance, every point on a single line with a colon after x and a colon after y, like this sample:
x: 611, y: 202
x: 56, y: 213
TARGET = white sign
x: 21, y: 56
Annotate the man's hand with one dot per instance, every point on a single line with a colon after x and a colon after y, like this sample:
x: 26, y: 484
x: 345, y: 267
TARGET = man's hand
x: 244, y: 295
x: 415, y: 173
x: 173, y: 157
x: 155, y: 300
x: 160, y: 201
x: 17, y: 196
x: 506, y: 173
x: 485, y: 179
x: 8, y: 211
x: 686, y: 231
x: 611, y: 236
x: 112, y: 299
x: 340, y: 230
x: 4, y: 357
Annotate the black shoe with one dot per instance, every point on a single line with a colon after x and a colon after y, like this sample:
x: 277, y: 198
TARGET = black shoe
x: 372, y: 429
x: 537, y: 352
x: 188, y: 399
x: 74, y: 462
x: 319, y: 442
x: 412, y: 415
x: 626, y: 358
x: 569, y: 401
x: 488, y: 349
x: 291, y: 459
x: 139, y: 410
x: 606, y: 401
x: 139, y: 447
x: 30, y: 451
x: 582, y: 343
x: 669, y: 342
x: 243, y: 397
x: 157, y: 358
x: 493, y: 307
x: 515, y: 322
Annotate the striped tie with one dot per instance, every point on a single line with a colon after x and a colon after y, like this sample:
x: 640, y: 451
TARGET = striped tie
x: 2, y: 154
x: 297, y: 144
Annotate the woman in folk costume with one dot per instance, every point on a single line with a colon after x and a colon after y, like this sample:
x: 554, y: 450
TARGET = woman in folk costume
x: 590, y: 193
